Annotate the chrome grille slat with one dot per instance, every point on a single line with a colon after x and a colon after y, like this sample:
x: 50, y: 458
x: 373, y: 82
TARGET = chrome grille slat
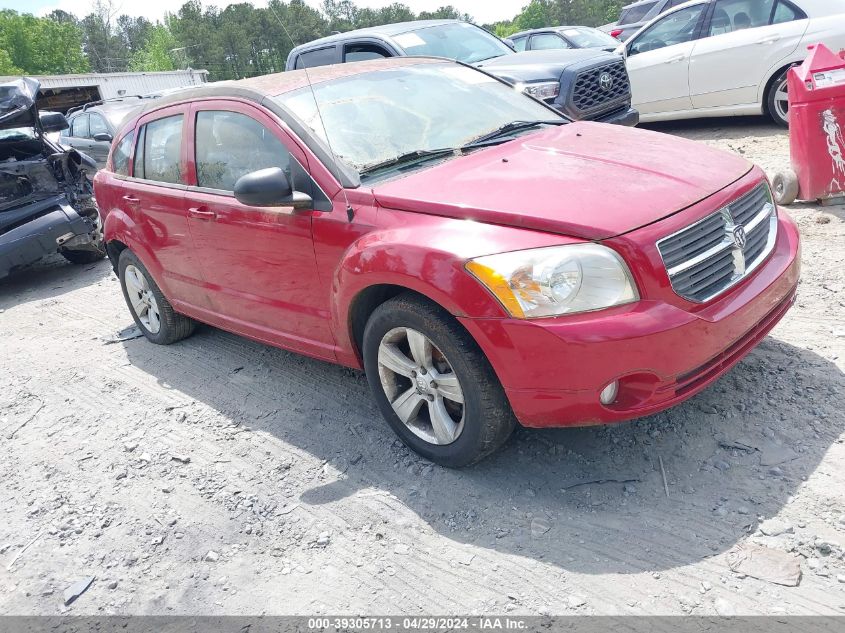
x: 706, y: 258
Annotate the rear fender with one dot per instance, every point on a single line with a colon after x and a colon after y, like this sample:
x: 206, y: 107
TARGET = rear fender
x: 120, y: 226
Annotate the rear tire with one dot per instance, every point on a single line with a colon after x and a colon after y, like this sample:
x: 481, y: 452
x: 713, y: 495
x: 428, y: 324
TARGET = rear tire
x: 152, y: 312
x: 420, y: 363
x: 777, y: 102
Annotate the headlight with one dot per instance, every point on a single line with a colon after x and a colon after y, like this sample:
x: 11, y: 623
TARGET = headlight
x: 543, y: 91
x: 544, y: 282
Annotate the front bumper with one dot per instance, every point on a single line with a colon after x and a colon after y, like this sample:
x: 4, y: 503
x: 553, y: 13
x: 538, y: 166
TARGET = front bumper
x: 554, y: 370
x: 626, y: 116
x: 51, y: 223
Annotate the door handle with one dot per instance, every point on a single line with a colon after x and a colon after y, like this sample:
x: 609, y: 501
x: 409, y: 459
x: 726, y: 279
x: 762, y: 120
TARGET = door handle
x: 131, y: 200
x: 675, y: 60
x: 201, y: 213
x: 769, y: 40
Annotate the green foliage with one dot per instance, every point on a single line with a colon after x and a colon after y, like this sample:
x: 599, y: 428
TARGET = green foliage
x: 157, y: 53
x: 537, y: 14
x: 39, y: 46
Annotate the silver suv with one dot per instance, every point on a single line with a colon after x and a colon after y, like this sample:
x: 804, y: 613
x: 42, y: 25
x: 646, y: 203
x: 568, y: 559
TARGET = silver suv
x: 636, y: 15
x: 93, y: 126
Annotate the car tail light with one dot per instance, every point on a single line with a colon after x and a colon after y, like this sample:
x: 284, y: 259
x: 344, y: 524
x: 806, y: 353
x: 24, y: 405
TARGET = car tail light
x: 616, y: 33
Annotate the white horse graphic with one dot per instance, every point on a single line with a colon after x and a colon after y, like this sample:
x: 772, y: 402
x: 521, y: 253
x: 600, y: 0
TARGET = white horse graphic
x: 836, y: 149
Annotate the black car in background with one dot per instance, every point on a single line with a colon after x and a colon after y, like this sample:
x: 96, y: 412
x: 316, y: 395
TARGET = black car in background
x: 562, y: 37
x: 46, y: 198
x: 583, y: 84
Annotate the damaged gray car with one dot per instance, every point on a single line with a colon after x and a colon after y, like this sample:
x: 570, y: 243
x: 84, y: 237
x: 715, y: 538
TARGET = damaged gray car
x: 46, y: 196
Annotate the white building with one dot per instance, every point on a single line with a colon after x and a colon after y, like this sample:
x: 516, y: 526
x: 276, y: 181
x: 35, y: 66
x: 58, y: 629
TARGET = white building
x: 61, y: 92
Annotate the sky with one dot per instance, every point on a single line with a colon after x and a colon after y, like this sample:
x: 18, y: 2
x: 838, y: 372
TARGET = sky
x: 483, y: 11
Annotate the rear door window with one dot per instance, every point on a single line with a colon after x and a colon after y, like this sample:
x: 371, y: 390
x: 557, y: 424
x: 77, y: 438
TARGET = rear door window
x: 547, y: 42
x: 79, y: 126
x: 738, y: 15
x: 319, y: 57
x: 363, y: 52
x: 229, y: 145
x: 97, y: 125
x: 159, y: 151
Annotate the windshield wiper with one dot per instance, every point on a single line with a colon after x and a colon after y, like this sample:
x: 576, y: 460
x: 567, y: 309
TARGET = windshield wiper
x: 510, y: 128
x: 492, y: 138
x: 410, y: 157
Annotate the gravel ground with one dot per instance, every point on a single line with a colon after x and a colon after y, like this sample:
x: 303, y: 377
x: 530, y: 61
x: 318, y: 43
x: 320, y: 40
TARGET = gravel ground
x: 219, y: 476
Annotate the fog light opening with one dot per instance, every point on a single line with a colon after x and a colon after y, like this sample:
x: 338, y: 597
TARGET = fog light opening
x: 609, y: 393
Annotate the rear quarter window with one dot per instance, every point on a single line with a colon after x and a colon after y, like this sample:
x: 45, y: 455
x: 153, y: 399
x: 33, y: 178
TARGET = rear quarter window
x: 319, y: 57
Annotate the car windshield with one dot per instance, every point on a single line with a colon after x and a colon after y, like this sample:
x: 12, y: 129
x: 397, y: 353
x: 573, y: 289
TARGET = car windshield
x: 590, y: 38
x: 372, y: 118
x: 458, y: 40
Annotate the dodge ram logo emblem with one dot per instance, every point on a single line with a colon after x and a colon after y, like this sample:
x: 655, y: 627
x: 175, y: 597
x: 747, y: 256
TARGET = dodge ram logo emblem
x: 740, y: 237
x: 605, y: 81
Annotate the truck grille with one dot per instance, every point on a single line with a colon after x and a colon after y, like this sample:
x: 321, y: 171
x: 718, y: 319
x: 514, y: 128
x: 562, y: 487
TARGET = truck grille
x: 716, y: 253
x: 598, y: 86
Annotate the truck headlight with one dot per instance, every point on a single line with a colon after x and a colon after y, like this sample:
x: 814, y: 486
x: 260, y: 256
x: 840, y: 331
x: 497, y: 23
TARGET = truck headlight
x: 543, y: 91
x: 545, y: 282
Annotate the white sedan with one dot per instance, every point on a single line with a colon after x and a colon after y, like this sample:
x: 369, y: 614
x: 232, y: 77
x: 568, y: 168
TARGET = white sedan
x: 726, y: 57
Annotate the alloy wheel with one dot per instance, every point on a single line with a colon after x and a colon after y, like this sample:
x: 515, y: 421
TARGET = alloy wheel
x: 421, y: 386
x: 142, y: 299
x: 782, y: 101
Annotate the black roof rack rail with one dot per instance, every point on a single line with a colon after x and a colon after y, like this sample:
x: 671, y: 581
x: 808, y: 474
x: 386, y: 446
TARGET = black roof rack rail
x: 92, y: 104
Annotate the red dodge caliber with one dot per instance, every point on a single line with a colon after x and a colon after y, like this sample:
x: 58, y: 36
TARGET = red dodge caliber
x: 485, y: 261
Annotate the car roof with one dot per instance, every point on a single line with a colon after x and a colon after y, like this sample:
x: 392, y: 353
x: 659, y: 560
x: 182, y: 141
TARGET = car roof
x: 386, y: 30
x: 638, y: 3
x: 550, y: 28
x: 260, y: 90
x: 114, y: 112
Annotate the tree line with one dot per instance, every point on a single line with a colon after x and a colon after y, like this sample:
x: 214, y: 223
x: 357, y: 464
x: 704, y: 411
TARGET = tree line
x: 238, y: 41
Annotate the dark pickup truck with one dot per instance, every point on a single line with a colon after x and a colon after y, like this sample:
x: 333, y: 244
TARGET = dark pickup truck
x: 582, y: 84
x: 46, y: 197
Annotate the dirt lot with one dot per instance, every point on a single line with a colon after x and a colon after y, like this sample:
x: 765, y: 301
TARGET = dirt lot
x: 220, y: 476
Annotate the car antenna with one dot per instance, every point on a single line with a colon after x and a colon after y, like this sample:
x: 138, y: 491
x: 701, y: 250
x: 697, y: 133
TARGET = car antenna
x: 350, y: 212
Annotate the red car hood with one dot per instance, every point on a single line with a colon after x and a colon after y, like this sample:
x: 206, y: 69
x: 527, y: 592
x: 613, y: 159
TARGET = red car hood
x: 585, y: 180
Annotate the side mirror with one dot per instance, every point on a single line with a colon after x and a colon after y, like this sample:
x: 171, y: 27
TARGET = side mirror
x: 103, y: 136
x: 270, y: 188
x: 622, y: 49
x: 510, y: 43
x: 53, y: 122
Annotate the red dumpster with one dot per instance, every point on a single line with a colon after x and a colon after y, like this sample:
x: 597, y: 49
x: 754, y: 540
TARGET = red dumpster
x: 816, y: 124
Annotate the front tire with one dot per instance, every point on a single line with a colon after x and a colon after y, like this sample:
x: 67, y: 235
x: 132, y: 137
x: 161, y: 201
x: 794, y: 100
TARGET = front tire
x: 777, y: 100
x: 152, y: 312
x: 433, y: 384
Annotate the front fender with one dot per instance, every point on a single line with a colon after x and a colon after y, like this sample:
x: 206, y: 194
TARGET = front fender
x: 421, y: 261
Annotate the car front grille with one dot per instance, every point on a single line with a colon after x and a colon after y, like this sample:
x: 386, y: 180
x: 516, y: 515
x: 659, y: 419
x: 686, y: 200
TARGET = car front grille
x: 597, y: 86
x: 716, y: 253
